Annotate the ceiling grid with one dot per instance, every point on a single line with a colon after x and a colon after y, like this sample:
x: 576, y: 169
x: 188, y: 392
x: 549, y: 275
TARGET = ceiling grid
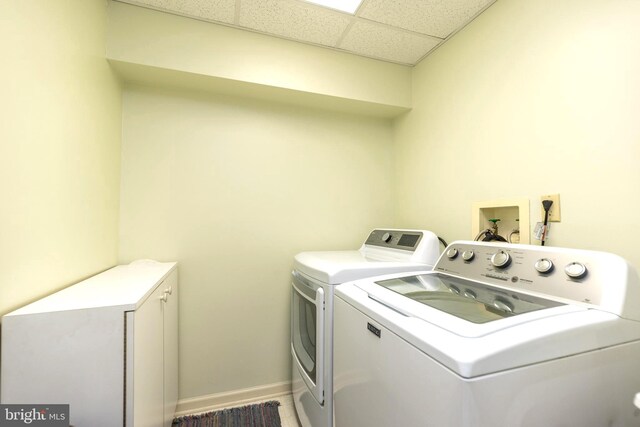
x: 398, y: 31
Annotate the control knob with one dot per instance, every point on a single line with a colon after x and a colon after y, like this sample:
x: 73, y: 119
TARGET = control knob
x: 452, y: 253
x: 468, y: 255
x: 501, y: 259
x: 386, y: 237
x: 576, y: 270
x: 543, y: 265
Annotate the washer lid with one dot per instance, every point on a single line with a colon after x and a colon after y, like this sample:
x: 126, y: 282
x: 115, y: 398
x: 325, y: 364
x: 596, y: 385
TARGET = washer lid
x: 335, y: 267
x: 473, y: 349
x: 471, y: 301
x: 463, y: 307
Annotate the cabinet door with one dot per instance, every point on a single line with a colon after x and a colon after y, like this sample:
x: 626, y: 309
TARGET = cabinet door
x: 148, y: 387
x: 170, y: 348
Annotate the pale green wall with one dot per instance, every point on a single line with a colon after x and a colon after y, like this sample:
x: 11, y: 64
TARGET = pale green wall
x: 60, y: 121
x: 546, y: 91
x: 232, y: 189
x: 533, y: 97
x: 142, y: 36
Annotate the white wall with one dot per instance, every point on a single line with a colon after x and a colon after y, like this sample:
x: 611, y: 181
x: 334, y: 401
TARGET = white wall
x: 532, y: 98
x: 232, y: 189
x: 60, y: 119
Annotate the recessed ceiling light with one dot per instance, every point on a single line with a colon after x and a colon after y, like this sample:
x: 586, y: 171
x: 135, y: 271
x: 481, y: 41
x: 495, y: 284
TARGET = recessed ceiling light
x: 349, y: 6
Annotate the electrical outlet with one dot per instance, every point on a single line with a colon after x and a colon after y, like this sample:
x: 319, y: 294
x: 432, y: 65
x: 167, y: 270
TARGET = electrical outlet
x: 554, y: 211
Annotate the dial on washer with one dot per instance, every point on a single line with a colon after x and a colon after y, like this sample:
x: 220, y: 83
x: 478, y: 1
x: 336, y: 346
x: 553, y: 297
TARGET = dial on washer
x: 501, y: 259
x: 576, y: 270
x: 543, y: 265
x: 468, y: 255
x: 452, y: 253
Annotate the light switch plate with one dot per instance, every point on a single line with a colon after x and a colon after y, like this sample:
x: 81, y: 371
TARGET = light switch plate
x: 554, y: 211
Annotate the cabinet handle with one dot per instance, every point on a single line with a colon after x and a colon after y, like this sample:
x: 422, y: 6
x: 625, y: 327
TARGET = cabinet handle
x: 164, y: 297
x: 169, y: 290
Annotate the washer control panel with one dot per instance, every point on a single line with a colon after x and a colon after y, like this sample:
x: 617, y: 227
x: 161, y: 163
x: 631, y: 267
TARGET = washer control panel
x: 569, y: 274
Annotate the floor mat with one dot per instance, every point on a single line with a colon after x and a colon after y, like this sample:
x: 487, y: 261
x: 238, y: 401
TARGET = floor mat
x: 258, y: 415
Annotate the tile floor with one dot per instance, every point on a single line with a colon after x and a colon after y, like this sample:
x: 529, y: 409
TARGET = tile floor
x: 288, y: 412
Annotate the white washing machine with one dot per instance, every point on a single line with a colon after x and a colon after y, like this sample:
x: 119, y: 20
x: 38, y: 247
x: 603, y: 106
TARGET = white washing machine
x: 313, y: 279
x: 496, y: 335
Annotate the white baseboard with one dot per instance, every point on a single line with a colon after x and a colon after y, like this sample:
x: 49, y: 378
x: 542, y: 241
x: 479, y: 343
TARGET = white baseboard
x: 212, y: 402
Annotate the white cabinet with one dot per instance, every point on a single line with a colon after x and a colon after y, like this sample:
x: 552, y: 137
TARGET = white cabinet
x: 152, y: 348
x: 170, y: 352
x: 107, y: 346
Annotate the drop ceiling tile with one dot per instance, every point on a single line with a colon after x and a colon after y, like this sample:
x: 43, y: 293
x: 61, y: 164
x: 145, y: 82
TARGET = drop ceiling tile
x: 210, y: 10
x: 215, y: 10
x: 434, y: 17
x: 386, y: 43
x: 294, y: 20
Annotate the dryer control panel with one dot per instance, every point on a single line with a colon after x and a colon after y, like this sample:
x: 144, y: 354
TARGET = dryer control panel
x: 571, y: 275
x: 407, y: 240
x: 388, y: 244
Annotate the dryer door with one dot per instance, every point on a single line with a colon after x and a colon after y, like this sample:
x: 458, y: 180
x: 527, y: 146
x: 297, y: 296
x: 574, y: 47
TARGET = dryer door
x: 307, y: 332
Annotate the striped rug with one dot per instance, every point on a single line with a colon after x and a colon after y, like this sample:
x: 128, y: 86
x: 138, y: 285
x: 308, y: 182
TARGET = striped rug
x: 258, y: 415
